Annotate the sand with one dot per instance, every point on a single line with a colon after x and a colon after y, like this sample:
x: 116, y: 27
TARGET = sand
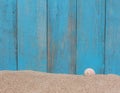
x: 38, y: 82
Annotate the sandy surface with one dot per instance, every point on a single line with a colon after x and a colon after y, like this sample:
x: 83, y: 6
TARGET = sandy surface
x: 36, y: 82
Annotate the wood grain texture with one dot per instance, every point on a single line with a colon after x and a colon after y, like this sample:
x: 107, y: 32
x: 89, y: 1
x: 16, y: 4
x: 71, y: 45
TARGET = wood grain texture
x: 61, y: 36
x: 32, y: 48
x: 7, y: 34
x: 112, y: 62
x: 90, y: 35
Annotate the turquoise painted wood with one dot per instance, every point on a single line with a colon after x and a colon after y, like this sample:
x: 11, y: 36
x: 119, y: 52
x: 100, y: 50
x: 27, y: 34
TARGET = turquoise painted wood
x: 32, y: 31
x: 8, y: 35
x: 112, y: 64
x: 61, y: 36
x: 90, y: 35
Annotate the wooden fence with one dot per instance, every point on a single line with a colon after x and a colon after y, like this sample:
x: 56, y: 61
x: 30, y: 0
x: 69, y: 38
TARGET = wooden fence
x: 60, y: 36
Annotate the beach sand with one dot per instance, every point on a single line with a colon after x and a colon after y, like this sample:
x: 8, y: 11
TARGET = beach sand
x: 38, y: 82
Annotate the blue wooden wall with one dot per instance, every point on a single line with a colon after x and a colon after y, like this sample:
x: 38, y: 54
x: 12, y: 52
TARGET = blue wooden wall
x: 60, y: 36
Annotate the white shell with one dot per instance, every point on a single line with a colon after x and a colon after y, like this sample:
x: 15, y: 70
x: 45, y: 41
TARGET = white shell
x: 89, y: 71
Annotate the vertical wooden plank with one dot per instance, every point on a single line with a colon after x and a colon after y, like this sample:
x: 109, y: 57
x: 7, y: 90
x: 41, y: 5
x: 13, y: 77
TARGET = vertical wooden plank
x: 90, y: 35
x: 112, y: 58
x: 8, y: 35
x: 61, y: 36
x: 32, y: 35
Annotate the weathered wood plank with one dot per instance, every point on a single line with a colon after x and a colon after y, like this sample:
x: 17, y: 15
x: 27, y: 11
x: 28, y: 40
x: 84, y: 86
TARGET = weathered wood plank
x: 61, y: 36
x: 8, y: 35
x: 90, y: 35
x: 112, y: 62
x: 32, y: 48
